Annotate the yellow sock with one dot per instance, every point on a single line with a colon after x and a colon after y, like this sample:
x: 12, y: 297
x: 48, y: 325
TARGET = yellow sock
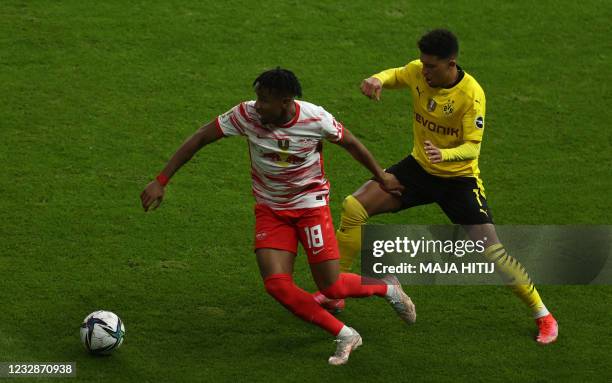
x: 349, y: 233
x: 516, y: 277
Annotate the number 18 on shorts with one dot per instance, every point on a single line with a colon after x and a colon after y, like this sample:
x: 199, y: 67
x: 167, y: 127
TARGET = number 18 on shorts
x: 282, y: 229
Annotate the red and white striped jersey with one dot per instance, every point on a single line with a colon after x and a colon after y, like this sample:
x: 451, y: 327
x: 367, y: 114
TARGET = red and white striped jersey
x: 286, y: 161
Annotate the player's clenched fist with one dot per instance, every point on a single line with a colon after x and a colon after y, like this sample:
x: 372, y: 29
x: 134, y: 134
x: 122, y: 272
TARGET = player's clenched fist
x: 371, y: 87
x: 153, y: 194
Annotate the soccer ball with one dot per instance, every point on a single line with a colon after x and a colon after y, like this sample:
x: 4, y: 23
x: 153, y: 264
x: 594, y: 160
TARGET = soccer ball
x: 102, y: 332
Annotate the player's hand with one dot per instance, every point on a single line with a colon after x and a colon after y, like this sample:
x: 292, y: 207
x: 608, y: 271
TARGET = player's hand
x: 371, y: 87
x: 391, y: 184
x: 152, y: 195
x: 433, y: 153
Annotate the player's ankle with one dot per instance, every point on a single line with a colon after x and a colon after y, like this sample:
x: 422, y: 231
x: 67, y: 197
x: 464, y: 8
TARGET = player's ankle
x: 346, y: 331
x: 541, y: 313
x: 391, y: 292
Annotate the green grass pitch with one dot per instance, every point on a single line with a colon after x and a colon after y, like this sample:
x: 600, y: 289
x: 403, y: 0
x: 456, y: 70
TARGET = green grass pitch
x: 95, y: 97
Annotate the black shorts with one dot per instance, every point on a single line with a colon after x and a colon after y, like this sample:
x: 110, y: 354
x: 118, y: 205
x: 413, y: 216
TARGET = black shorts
x: 459, y: 197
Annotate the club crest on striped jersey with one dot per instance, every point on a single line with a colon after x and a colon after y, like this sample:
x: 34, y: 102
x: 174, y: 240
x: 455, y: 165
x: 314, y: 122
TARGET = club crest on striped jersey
x: 283, y: 144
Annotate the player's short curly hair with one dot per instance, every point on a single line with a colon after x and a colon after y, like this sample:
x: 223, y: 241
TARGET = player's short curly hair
x: 280, y: 81
x: 439, y: 42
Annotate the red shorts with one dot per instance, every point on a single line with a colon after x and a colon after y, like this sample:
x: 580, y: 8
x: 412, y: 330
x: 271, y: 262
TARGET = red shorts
x: 281, y: 229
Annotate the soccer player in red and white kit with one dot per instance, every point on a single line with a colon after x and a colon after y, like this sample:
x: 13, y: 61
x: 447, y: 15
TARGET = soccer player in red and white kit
x: 291, y: 192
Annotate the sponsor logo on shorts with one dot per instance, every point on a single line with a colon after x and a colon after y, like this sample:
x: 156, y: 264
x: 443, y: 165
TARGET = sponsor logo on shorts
x: 261, y: 235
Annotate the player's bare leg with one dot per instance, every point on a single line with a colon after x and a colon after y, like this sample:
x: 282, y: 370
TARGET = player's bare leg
x: 375, y: 200
x: 515, y: 276
x: 272, y: 261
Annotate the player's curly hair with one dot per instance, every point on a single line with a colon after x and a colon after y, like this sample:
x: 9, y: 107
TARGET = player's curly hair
x: 281, y: 81
x: 439, y: 42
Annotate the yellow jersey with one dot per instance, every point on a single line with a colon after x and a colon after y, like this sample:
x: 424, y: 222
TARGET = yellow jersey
x: 446, y: 117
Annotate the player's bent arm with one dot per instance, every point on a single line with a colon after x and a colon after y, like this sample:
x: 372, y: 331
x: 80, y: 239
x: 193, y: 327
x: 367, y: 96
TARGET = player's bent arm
x: 393, y: 78
x: 359, y: 152
x: 207, y: 134
x: 469, y: 150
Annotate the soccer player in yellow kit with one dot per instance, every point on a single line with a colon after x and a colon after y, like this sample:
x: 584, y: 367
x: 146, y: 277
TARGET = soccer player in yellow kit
x: 448, y: 126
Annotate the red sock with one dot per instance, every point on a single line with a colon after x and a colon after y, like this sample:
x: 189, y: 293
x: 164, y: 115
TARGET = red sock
x: 301, y: 303
x: 349, y: 285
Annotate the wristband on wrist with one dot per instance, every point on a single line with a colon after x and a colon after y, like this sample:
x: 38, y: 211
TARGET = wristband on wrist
x: 162, y: 179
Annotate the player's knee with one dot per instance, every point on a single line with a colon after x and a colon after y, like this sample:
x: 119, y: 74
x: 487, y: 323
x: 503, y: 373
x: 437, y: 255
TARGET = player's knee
x: 278, y: 286
x: 282, y: 289
x: 353, y: 212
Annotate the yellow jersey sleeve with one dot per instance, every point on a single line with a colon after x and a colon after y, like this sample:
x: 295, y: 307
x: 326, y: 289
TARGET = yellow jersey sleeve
x: 469, y: 150
x: 396, y: 78
x: 473, y: 121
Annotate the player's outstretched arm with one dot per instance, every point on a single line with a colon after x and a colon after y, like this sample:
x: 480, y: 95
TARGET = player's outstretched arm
x: 394, y: 78
x: 364, y: 157
x: 153, y: 193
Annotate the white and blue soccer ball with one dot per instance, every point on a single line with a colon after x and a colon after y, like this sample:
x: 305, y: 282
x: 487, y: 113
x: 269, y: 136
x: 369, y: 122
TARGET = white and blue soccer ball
x: 102, y: 332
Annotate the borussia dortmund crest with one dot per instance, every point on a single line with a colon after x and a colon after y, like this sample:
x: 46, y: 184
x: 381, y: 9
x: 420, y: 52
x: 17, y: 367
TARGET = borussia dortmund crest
x: 449, y: 107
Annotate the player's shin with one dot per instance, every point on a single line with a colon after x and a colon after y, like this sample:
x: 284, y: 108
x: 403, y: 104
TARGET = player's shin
x: 350, y: 285
x: 517, y: 279
x: 300, y: 303
x: 349, y: 234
